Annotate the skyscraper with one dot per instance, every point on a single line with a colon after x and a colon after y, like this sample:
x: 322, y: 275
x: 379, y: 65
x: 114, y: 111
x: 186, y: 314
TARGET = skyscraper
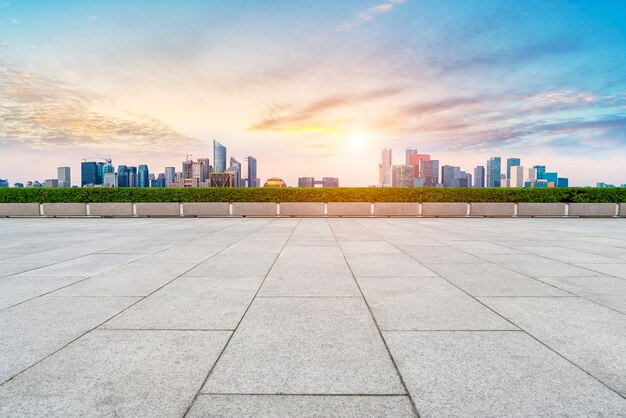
x: 249, y: 171
x: 494, y: 172
x: 219, y: 157
x: 384, y: 169
x: 402, y: 175
x: 64, y: 177
x: 479, y: 176
x: 517, y: 176
x: 541, y: 171
x: 429, y: 172
x: 448, y: 176
x: 88, y: 173
x: 143, y: 176
x: 408, y: 153
x: 511, y: 162
x: 170, y: 175
x: 235, y: 168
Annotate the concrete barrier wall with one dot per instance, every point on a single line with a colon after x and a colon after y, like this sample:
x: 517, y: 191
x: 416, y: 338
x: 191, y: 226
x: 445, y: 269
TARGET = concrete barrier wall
x: 592, y: 209
x: 19, y: 209
x: 206, y: 209
x: 492, y: 209
x: 444, y: 209
x: 110, y: 209
x: 302, y: 209
x: 349, y: 208
x: 157, y: 209
x: 316, y: 209
x: 254, y: 209
x: 64, y: 209
x: 541, y: 209
x: 396, y: 209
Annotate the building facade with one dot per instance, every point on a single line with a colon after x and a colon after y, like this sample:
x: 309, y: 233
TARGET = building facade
x: 219, y: 157
x: 64, y: 176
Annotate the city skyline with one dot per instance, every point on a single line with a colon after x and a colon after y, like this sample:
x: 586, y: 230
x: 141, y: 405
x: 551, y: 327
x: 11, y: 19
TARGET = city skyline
x: 313, y: 89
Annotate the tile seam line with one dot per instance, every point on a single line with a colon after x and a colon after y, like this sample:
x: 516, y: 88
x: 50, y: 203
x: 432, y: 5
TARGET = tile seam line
x: 229, y: 339
x: 380, y: 333
x: 522, y: 329
x: 379, y: 395
x: 518, y: 272
x: 97, y: 326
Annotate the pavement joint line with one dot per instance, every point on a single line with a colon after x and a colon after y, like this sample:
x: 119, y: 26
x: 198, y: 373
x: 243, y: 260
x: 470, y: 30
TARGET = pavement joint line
x: 522, y: 329
x: 230, y: 337
x: 524, y: 274
x: 102, y: 323
x: 380, y: 333
x: 306, y: 297
x: 165, y: 329
x: 380, y: 395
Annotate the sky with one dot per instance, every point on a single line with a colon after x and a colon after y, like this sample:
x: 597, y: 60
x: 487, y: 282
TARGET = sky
x: 313, y: 88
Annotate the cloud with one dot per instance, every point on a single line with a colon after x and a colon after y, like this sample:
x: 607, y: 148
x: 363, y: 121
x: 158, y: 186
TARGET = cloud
x: 291, y: 117
x: 41, y: 113
x: 368, y: 15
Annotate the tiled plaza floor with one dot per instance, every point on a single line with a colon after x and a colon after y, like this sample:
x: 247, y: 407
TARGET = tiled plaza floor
x: 312, y: 317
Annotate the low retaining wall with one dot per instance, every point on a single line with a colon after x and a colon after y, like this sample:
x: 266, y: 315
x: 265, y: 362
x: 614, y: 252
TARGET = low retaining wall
x: 314, y: 209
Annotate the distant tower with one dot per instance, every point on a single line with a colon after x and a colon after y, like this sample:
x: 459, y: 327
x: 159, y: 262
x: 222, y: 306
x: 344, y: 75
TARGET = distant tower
x: 494, y: 172
x: 479, y: 176
x: 385, y: 169
x: 219, y: 157
x: 143, y: 176
x: 64, y: 177
x: 511, y: 162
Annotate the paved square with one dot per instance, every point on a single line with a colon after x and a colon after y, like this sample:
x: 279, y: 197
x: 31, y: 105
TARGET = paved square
x: 312, y: 317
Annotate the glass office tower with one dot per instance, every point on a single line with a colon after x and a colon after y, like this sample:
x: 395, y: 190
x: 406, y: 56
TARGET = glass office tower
x: 511, y: 162
x: 143, y: 176
x: 494, y: 172
x: 219, y: 157
x: 88, y: 173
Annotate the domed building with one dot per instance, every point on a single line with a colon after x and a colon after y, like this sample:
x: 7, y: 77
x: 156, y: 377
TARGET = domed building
x: 275, y: 182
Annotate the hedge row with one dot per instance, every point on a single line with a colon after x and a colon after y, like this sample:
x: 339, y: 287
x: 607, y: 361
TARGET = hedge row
x: 87, y: 195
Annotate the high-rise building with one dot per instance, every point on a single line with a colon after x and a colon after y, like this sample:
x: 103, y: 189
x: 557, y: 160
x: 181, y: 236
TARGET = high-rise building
x: 160, y: 181
x: 306, y: 182
x: 408, y: 153
x: 235, y: 168
x: 494, y: 172
x: 330, y: 182
x: 5, y: 183
x: 562, y: 182
x: 88, y: 173
x: 384, y: 169
x: 429, y: 172
x: 132, y: 177
x: 416, y: 161
x: 206, y: 167
x: 516, y: 178
x: 552, y: 179
x: 448, y: 176
x: 402, y: 175
x: 51, y: 183
x: 479, y: 176
x: 143, y: 179
x: 219, y: 157
x: 64, y: 177
x: 170, y: 175
x: 103, y: 168
x: 541, y: 171
x: 249, y: 172
x: 122, y: 176
x: 110, y: 180
x: 511, y: 162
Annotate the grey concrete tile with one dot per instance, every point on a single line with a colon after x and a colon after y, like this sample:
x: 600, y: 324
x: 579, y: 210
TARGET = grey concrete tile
x: 607, y: 291
x: 590, y: 335
x: 426, y: 303
x: 440, y: 255
x: 116, y: 373
x: 17, y: 289
x: 492, y: 280
x: 368, y: 247
x: 482, y: 247
x: 35, y: 329
x: 244, y: 265
x: 306, y: 255
x: 88, y: 265
x: 617, y: 269
x: 134, y: 279
x: 386, y: 265
x: 497, y: 374
x: 192, y: 303
x: 333, y: 280
x: 8, y: 268
x: 287, y: 406
x: 568, y: 255
x: 313, y: 345
x: 182, y: 254
x: 138, y: 247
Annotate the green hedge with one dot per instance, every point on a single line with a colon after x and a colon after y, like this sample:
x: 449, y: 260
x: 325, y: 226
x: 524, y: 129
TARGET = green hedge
x: 87, y: 195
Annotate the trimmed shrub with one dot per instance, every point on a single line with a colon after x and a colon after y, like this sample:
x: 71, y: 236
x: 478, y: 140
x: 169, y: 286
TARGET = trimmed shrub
x: 344, y: 194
